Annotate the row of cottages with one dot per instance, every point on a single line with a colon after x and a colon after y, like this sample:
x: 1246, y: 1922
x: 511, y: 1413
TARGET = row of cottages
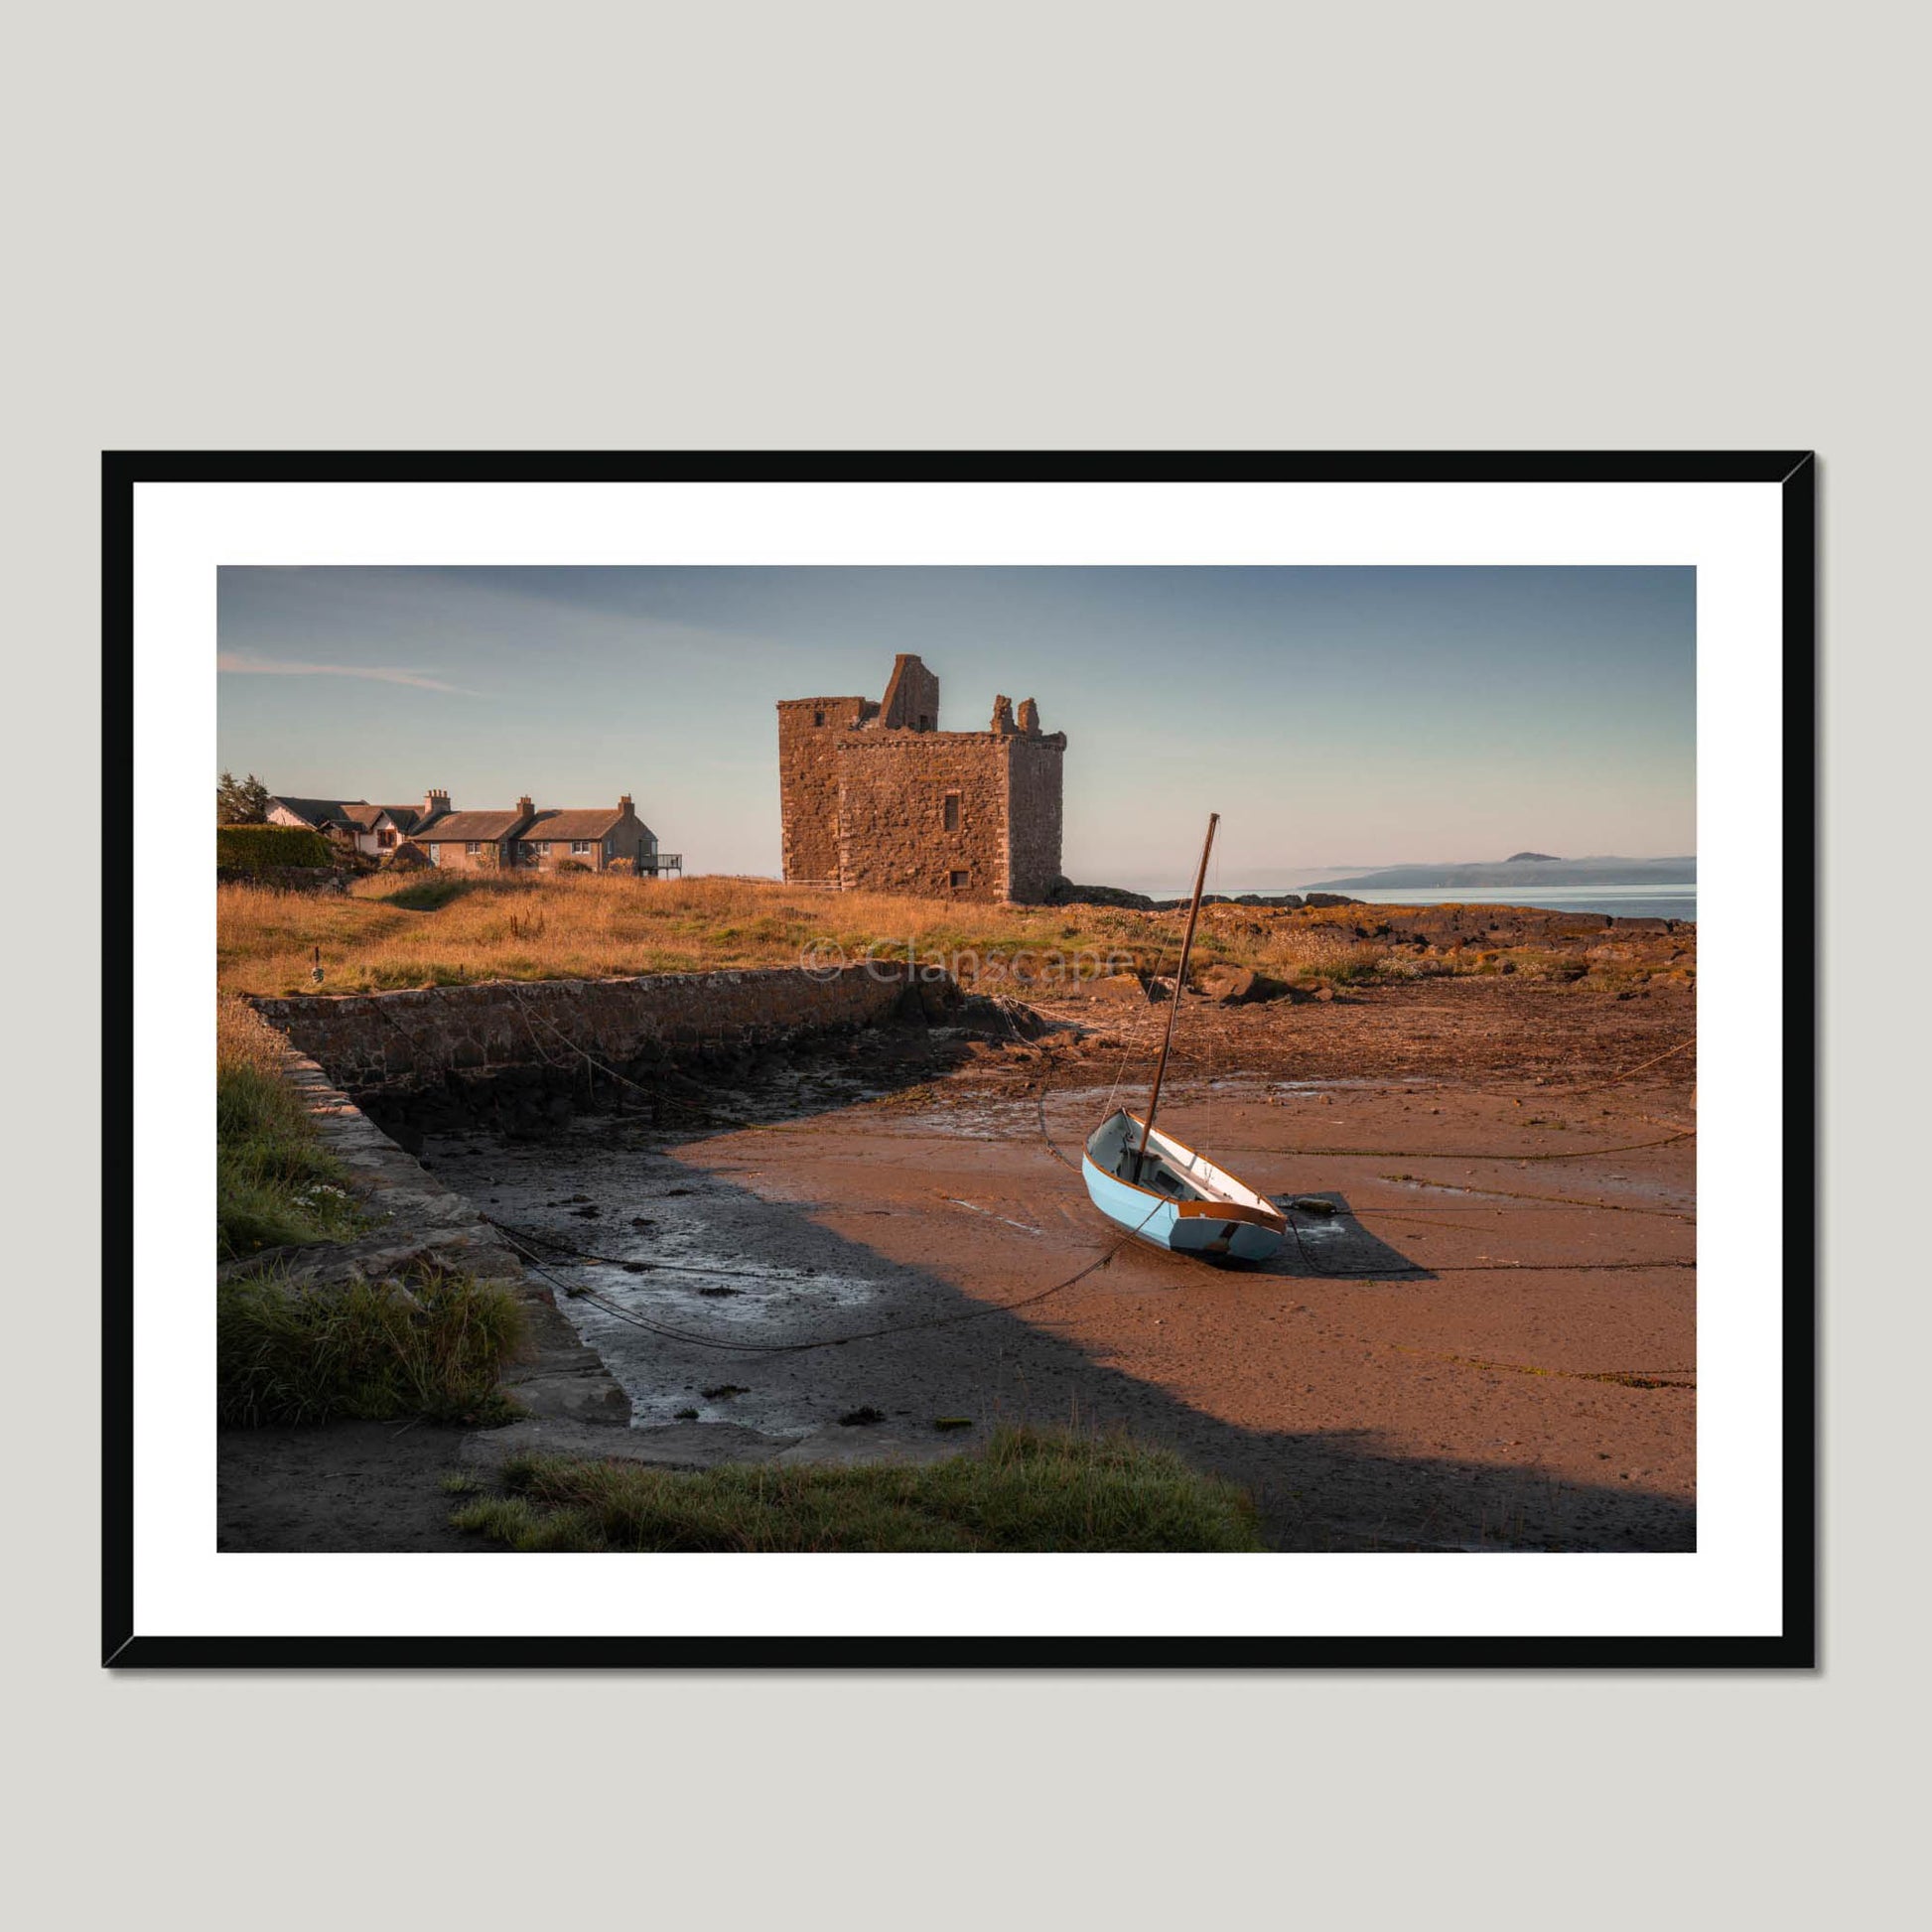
x: 599, y: 838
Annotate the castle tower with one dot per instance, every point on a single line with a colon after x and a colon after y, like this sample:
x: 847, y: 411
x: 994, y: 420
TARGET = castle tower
x: 875, y: 797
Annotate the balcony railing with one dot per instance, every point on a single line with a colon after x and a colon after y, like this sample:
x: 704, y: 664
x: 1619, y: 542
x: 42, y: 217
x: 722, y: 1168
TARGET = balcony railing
x: 662, y: 862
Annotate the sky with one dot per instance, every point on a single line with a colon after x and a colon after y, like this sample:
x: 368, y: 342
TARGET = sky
x: 1336, y: 718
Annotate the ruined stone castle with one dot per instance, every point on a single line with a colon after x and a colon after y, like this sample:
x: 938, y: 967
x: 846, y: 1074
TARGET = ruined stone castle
x: 878, y: 798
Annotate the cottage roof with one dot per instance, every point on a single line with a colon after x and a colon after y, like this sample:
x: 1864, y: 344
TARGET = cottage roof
x: 468, y: 825
x: 324, y: 811
x: 593, y: 823
x: 350, y: 811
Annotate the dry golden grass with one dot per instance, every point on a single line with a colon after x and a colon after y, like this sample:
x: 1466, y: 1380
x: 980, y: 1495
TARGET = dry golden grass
x: 244, y: 1042
x: 441, y: 930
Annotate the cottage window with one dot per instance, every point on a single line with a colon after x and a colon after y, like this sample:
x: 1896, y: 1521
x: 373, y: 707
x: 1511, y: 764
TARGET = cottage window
x: 581, y: 848
x: 610, y: 848
x: 958, y: 882
x: 385, y: 838
x: 436, y: 855
x: 473, y: 846
x: 952, y: 811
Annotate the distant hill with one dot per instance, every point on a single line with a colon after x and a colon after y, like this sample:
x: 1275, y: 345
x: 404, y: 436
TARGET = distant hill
x: 1525, y: 869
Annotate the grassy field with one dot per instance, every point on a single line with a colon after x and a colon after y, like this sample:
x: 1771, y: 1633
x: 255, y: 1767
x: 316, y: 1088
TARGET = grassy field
x: 440, y: 930
x: 1033, y: 1490
x: 275, y: 1185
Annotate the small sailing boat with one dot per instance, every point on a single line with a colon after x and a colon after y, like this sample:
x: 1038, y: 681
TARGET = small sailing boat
x: 1160, y: 1189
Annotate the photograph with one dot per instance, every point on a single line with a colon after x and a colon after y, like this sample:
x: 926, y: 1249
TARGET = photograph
x: 996, y: 913
x: 1048, y: 1059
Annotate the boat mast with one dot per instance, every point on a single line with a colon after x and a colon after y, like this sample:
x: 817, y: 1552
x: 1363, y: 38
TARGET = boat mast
x: 1174, y: 1001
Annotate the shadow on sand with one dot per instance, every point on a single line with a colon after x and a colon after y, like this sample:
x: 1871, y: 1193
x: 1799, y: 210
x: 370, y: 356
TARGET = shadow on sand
x: 945, y: 1353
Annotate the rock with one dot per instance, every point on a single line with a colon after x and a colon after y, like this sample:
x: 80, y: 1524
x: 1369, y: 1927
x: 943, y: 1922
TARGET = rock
x: 847, y: 1446
x: 1329, y: 899
x: 1229, y: 985
x: 938, y: 997
x: 1065, y: 893
x: 1120, y: 986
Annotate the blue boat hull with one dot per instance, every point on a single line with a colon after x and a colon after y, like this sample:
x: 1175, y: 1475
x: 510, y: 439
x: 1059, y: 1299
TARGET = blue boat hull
x: 1217, y: 1217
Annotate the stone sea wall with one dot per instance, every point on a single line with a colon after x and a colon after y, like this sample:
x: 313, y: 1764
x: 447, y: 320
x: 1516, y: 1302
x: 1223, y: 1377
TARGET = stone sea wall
x: 553, y: 1033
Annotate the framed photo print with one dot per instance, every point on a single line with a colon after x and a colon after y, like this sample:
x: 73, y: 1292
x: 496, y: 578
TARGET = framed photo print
x: 925, y: 1059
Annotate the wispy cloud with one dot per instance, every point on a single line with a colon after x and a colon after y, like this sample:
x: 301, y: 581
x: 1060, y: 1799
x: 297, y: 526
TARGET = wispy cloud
x: 242, y: 660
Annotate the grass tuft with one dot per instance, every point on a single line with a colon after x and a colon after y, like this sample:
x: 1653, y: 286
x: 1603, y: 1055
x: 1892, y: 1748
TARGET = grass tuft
x: 1033, y: 1490
x: 431, y: 1345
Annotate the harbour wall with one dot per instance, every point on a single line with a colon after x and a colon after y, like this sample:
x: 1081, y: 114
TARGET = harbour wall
x: 553, y: 1041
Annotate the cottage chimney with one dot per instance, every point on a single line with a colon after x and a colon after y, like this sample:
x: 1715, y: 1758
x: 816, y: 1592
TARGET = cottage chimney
x: 624, y: 805
x: 1030, y: 718
x: 524, y: 807
x: 435, y: 803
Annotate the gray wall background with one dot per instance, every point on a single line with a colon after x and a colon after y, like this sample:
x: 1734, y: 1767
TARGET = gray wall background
x: 1040, y: 226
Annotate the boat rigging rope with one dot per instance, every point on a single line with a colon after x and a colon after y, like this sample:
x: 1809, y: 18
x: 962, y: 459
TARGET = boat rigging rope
x: 1618, y: 1079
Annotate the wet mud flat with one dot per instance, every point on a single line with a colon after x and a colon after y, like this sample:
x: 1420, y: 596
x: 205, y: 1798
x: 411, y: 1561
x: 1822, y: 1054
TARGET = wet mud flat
x: 1486, y: 1342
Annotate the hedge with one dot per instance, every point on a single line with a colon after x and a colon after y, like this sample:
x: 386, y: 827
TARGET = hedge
x: 261, y: 848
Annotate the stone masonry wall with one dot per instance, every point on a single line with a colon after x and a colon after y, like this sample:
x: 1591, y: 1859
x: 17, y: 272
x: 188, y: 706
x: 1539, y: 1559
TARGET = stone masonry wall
x: 396, y: 1046
x: 1033, y: 767
x: 912, y: 700
x: 809, y: 733
x: 454, y: 855
x: 892, y: 810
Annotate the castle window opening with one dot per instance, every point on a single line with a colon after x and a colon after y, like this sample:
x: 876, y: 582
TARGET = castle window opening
x: 818, y: 716
x: 952, y: 811
x: 960, y: 881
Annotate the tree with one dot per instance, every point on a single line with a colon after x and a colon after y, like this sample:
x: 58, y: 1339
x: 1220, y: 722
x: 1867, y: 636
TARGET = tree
x: 240, y: 801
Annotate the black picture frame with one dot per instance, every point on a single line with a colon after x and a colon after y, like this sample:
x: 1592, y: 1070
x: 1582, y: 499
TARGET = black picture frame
x: 1794, y: 472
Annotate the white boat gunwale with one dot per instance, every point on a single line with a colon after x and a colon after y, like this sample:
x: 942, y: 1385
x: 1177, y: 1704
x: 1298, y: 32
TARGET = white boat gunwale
x: 1201, y: 1206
